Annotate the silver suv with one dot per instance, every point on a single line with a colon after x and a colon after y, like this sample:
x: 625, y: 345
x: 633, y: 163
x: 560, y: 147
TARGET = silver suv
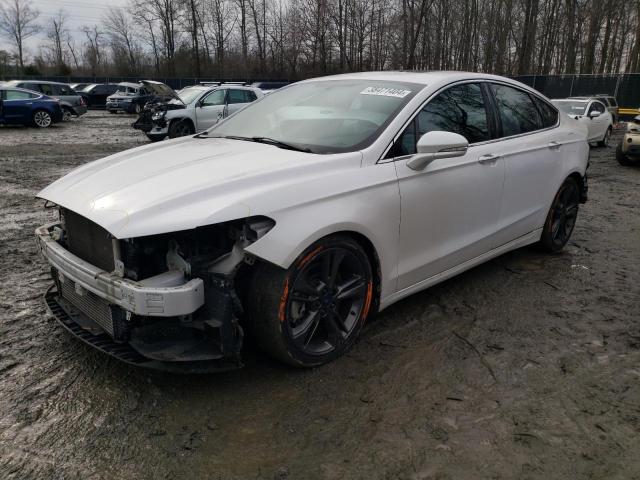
x: 194, y: 109
x: 72, y: 104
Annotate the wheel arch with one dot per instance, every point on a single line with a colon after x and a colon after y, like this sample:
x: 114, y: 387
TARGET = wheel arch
x: 271, y: 250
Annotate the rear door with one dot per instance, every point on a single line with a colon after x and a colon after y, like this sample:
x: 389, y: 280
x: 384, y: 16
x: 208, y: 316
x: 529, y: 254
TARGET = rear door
x: 237, y: 99
x: 210, y: 109
x: 532, y: 147
x: 17, y: 106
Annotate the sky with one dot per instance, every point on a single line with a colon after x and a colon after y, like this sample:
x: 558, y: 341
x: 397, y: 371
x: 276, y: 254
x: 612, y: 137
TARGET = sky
x: 78, y: 13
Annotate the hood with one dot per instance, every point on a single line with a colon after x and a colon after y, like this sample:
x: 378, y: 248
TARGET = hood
x: 160, y: 90
x: 190, y: 182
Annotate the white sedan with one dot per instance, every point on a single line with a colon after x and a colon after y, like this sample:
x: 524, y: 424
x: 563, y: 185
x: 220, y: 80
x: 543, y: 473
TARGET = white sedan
x: 592, y: 114
x: 304, y: 214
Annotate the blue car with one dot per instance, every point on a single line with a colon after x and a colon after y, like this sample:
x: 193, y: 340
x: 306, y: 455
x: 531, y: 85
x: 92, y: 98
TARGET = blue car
x: 24, y: 107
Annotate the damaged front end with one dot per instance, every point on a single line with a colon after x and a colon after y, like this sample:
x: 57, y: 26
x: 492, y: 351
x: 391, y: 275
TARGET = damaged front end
x: 166, y: 301
x: 153, y: 115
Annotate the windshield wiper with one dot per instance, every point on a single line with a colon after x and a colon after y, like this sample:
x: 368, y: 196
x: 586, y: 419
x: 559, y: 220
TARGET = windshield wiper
x: 279, y: 144
x: 266, y: 140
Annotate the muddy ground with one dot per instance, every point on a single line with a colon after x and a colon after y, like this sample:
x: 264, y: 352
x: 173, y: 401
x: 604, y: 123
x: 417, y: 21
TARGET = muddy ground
x: 525, y: 367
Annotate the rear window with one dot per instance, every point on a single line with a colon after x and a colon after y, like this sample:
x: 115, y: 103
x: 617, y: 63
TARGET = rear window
x: 548, y: 114
x: 17, y: 95
x: 516, y: 110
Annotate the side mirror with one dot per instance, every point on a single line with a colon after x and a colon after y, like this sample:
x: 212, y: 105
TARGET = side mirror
x: 594, y: 114
x: 435, y: 145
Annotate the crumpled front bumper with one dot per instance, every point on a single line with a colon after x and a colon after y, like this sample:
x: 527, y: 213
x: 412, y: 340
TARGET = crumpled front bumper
x: 139, y: 298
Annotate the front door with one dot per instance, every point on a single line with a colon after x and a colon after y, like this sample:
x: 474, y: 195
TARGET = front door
x: 449, y: 210
x: 597, y: 125
x: 210, y: 109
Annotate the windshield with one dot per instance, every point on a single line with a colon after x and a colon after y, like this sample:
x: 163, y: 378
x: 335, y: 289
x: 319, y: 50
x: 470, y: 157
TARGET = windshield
x: 126, y: 90
x: 572, y: 108
x: 187, y: 95
x: 330, y: 116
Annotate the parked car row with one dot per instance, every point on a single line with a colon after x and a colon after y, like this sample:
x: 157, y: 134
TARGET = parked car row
x: 592, y: 114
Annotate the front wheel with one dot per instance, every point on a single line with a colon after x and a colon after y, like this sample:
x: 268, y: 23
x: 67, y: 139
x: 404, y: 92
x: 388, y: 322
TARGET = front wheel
x: 180, y: 128
x: 137, y: 109
x: 42, y: 119
x: 606, y: 139
x: 561, y: 217
x: 312, y: 312
x: 623, y: 159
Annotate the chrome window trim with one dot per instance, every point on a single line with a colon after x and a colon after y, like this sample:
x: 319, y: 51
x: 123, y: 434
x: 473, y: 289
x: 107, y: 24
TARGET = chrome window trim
x: 471, y: 145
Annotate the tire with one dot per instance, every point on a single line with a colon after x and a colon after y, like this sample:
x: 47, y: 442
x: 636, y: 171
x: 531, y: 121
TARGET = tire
x: 304, y: 316
x: 606, y: 139
x: 42, y: 119
x: 113, y: 112
x: 180, y: 128
x: 561, y: 218
x: 155, y: 138
x: 137, y: 109
x: 66, y: 114
x: 623, y: 159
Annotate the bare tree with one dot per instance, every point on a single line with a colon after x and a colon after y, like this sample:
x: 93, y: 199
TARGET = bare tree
x: 18, y: 23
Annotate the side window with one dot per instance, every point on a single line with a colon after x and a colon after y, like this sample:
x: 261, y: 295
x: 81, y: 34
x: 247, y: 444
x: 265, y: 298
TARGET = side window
x: 613, y: 102
x: 251, y: 96
x: 237, y: 96
x: 214, y: 98
x: 548, y: 114
x: 516, y: 110
x: 406, y: 143
x: 460, y: 109
x: 45, y: 88
x: 142, y: 91
x: 64, y: 90
x: 17, y: 95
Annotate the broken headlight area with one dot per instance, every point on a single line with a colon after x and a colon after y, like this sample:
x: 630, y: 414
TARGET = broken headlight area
x: 155, y: 266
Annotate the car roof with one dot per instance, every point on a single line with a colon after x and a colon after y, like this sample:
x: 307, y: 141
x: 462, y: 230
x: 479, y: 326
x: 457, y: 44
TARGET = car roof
x: 129, y: 84
x: 11, y: 87
x: 424, y: 78
x: 572, y: 99
x: 46, y: 82
x: 585, y: 99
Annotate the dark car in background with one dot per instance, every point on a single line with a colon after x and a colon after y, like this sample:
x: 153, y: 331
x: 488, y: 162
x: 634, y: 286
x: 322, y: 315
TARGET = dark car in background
x: 79, y: 86
x: 95, y: 94
x: 23, y: 107
x: 72, y: 104
x: 132, y: 97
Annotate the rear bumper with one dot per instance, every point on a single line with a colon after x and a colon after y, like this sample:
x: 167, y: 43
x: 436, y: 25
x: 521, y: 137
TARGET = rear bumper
x: 80, y: 110
x: 135, y: 297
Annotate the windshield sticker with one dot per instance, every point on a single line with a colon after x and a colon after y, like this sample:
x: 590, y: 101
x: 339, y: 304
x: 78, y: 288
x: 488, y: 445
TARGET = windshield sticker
x: 385, y: 92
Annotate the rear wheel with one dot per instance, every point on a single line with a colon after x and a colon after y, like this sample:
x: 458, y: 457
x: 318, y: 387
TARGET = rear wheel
x: 561, y: 217
x: 66, y: 114
x: 312, y: 313
x: 606, y: 139
x: 42, y: 119
x: 180, y: 128
x: 137, y: 108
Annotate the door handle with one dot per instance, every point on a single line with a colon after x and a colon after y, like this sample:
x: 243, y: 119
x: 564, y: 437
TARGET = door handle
x: 488, y: 159
x: 554, y: 145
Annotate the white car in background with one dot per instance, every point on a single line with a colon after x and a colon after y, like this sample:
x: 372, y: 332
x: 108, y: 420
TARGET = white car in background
x: 303, y: 214
x: 592, y: 114
x: 194, y: 109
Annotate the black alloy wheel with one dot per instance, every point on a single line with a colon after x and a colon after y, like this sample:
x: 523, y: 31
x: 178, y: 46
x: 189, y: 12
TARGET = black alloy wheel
x: 562, y: 216
x: 312, y: 313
